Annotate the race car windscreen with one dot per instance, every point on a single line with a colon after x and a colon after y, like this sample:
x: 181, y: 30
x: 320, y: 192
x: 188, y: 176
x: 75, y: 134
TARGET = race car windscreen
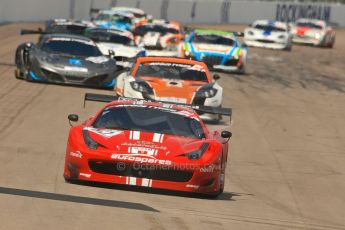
x: 70, y: 47
x: 175, y: 71
x: 101, y: 36
x: 144, y: 29
x: 309, y: 25
x: 213, y: 39
x: 150, y: 119
x: 269, y: 28
x: 115, y: 18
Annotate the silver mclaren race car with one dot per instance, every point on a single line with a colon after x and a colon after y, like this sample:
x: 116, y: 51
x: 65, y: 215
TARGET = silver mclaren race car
x: 67, y: 59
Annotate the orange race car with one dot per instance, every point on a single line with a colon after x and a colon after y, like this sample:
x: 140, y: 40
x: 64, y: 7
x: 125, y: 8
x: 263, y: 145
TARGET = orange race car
x: 172, y: 80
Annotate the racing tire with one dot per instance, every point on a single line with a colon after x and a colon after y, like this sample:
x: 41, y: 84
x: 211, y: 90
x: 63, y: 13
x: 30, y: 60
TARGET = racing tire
x: 70, y: 181
x: 288, y: 47
x: 18, y: 74
x: 217, y: 120
x: 215, y: 194
x: 27, y: 77
x: 242, y: 69
x: 331, y: 44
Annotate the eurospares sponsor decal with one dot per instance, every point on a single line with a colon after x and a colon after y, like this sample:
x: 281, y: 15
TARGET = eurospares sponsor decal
x: 292, y: 12
x: 140, y: 158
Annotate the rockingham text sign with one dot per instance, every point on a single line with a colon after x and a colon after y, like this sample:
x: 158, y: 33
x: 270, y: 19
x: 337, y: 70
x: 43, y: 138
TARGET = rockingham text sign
x: 291, y: 12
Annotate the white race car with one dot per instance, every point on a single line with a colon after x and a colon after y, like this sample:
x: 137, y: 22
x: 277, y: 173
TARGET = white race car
x: 139, y: 15
x: 119, y: 43
x: 313, y: 32
x: 268, y: 34
x: 159, y: 37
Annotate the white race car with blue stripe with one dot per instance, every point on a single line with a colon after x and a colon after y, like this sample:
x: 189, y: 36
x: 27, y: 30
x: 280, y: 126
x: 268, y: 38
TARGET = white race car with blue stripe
x: 268, y: 34
x: 219, y: 50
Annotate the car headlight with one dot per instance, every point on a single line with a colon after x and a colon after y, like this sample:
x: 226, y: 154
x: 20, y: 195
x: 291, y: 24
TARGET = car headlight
x: 141, y: 86
x: 281, y: 36
x: 172, y: 40
x: 195, y: 155
x: 317, y: 35
x: 206, y: 92
x: 46, y: 59
x: 89, y: 141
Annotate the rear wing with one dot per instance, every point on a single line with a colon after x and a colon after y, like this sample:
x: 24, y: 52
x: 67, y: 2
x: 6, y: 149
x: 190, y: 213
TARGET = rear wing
x: 199, y: 108
x: 38, y: 31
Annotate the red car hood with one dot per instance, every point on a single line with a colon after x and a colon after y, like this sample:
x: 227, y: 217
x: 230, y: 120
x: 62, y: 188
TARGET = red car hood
x: 161, y: 146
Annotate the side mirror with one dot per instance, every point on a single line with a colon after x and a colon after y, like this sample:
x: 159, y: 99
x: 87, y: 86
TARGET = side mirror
x: 111, y: 53
x: 73, y: 118
x: 29, y: 45
x: 226, y: 134
x: 141, y: 45
x: 216, y: 77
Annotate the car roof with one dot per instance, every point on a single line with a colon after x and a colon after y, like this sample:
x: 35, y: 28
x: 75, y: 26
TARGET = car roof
x: 112, y: 31
x: 117, y: 12
x: 163, y: 23
x: 129, y: 9
x: 309, y: 20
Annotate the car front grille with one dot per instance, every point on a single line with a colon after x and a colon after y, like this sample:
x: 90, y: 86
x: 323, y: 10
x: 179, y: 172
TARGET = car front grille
x: 210, y: 61
x: 198, y: 100
x: 264, y: 41
x: 76, y: 79
x: 231, y: 62
x: 51, y: 76
x: 154, y: 173
x: 120, y: 58
x: 96, y: 80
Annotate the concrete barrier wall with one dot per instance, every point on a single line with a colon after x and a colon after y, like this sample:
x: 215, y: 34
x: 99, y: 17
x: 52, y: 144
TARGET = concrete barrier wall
x: 186, y: 11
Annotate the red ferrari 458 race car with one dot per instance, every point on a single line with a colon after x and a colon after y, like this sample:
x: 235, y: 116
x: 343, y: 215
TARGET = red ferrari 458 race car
x: 150, y: 144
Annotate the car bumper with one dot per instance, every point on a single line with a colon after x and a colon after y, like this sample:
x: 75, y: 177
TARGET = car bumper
x: 105, y: 80
x: 226, y: 68
x: 306, y: 40
x: 269, y: 45
x: 195, y: 179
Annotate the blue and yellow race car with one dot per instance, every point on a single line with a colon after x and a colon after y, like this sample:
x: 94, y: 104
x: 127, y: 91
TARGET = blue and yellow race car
x: 220, y: 50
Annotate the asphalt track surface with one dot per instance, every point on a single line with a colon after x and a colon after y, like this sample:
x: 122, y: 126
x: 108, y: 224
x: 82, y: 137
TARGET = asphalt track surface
x: 287, y: 154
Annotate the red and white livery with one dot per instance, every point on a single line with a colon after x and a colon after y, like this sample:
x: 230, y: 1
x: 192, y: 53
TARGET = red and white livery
x: 149, y: 144
x: 313, y: 32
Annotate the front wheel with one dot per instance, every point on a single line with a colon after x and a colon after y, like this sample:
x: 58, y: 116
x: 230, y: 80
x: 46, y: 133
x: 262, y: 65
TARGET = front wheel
x: 242, y: 69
